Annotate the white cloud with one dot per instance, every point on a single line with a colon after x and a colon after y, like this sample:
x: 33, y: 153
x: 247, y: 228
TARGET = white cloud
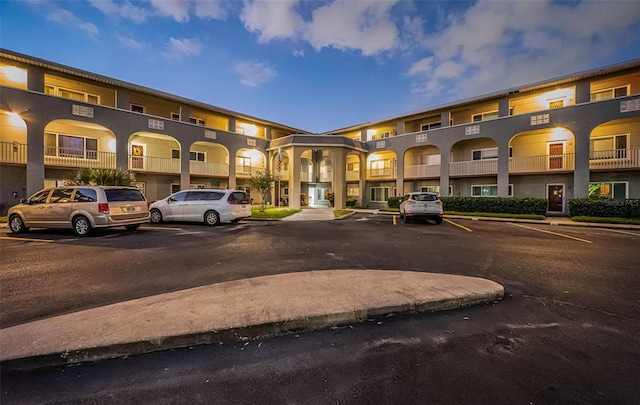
x: 66, y: 17
x: 123, y: 10
x: 366, y: 26
x: 176, y: 9
x: 213, y: 9
x: 496, y: 44
x: 182, y: 47
x: 131, y: 43
x: 254, y: 73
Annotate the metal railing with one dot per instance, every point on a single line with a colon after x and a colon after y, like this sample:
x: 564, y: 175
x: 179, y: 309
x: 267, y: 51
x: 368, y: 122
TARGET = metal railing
x: 615, y: 159
x: 353, y: 175
x: 421, y: 171
x: 244, y: 171
x: 542, y: 163
x: 473, y: 167
x: 13, y: 152
x: 67, y: 157
x: 208, y: 169
x: 154, y: 164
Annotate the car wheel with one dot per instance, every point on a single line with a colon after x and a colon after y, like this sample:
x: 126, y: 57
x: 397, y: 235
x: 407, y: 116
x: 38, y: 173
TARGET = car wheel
x: 235, y: 220
x: 438, y: 220
x: 211, y: 218
x: 132, y: 227
x: 156, y: 216
x: 82, y: 226
x: 16, y: 224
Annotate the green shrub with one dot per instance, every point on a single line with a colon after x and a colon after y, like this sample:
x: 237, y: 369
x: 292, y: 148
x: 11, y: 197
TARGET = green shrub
x: 394, y: 202
x: 506, y: 205
x: 589, y: 207
x: 351, y: 202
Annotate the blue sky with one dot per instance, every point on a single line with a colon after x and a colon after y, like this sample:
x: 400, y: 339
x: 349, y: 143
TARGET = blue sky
x: 324, y: 65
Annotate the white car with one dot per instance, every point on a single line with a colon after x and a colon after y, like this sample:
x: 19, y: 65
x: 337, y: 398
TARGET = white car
x: 421, y: 205
x: 211, y: 206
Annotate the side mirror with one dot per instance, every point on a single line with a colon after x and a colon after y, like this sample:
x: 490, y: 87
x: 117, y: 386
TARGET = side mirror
x: 23, y: 201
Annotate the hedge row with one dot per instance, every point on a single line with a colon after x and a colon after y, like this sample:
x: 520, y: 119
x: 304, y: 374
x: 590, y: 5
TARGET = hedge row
x: 506, y: 205
x: 590, y: 207
x: 394, y: 202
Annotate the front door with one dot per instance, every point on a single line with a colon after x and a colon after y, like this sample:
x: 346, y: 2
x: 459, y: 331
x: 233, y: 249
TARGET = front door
x: 555, y: 196
x: 556, y: 151
x: 137, y: 156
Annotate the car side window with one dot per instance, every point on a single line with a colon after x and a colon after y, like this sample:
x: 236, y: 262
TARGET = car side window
x: 61, y: 195
x: 85, y: 195
x: 40, y: 197
x: 197, y: 196
x: 178, y: 196
x: 214, y: 195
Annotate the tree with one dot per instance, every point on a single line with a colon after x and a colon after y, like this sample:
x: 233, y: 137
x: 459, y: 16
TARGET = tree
x: 263, y: 182
x: 103, y: 177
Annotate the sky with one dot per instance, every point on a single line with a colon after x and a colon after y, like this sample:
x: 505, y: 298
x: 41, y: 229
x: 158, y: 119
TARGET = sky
x: 320, y: 66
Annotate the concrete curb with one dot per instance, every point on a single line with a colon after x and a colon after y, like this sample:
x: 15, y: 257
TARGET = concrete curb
x: 235, y: 311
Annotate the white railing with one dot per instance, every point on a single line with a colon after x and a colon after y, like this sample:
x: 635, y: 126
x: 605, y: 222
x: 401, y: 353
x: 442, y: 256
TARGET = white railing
x: 615, y: 159
x: 208, y: 169
x: 282, y: 174
x: 306, y: 177
x: 154, y: 164
x: 473, y: 167
x: 244, y: 171
x: 325, y: 177
x: 353, y: 175
x: 542, y: 163
x: 13, y: 152
x: 381, y: 173
x: 79, y: 158
x: 422, y: 171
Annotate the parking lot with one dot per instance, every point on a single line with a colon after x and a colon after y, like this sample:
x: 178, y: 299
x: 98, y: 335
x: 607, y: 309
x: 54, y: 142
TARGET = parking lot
x: 566, y: 331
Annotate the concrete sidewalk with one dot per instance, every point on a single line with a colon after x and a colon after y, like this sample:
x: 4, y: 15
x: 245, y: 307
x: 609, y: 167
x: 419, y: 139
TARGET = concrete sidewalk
x: 312, y: 214
x: 236, y: 310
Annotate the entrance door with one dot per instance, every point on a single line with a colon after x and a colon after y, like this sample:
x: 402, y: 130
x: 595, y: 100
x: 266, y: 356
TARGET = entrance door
x: 555, y: 192
x: 556, y: 155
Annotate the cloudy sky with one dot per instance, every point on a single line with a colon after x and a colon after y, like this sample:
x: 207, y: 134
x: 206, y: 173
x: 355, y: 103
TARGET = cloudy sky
x: 324, y: 65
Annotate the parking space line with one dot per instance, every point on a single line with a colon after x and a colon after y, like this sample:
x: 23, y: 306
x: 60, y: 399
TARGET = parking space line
x: 624, y: 232
x: 159, y: 228
x: 553, y: 233
x: 27, y: 239
x: 458, y: 225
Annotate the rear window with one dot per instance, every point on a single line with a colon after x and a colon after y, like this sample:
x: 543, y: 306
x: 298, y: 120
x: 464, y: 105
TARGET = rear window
x: 123, y: 194
x: 238, y: 197
x: 425, y: 197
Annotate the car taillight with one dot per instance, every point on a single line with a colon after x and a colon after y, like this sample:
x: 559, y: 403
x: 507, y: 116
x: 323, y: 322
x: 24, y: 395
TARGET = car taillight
x: 410, y: 202
x: 438, y: 202
x: 103, y: 208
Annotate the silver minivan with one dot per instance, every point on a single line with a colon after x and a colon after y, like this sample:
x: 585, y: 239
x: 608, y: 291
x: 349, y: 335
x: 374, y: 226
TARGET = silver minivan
x: 81, y: 208
x: 211, y: 206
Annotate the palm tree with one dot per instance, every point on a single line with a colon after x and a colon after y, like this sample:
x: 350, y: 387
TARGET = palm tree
x: 103, y: 177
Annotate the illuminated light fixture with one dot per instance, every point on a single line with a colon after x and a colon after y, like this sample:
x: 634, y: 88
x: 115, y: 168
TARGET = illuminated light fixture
x: 14, y: 74
x: 255, y: 155
x: 248, y: 129
x: 560, y: 134
x: 15, y: 120
x: 371, y: 132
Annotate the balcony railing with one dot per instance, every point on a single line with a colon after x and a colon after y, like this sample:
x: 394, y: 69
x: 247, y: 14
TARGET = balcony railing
x: 421, y: 171
x: 381, y: 173
x: 615, y: 159
x: 306, y: 177
x: 325, y: 177
x: 244, y: 171
x: 473, y: 167
x: 208, y: 169
x: 542, y: 163
x: 353, y: 175
x: 154, y: 164
x: 68, y: 157
x: 13, y: 152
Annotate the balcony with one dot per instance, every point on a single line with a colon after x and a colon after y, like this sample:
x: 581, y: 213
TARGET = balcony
x: 382, y: 173
x: 208, y: 169
x: 246, y: 172
x: 473, y: 167
x: 13, y: 152
x: 326, y: 177
x: 420, y: 171
x: 306, y: 177
x: 353, y: 175
x: 615, y: 159
x: 79, y: 158
x: 542, y: 163
x: 154, y: 164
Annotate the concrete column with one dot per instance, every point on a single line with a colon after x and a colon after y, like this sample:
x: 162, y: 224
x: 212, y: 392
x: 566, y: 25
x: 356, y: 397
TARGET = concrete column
x: 445, y: 153
x: 399, y: 175
x: 339, y: 184
x: 363, y: 135
x: 232, y: 124
x: 267, y: 133
x: 583, y: 92
x: 503, y: 168
x: 400, y: 128
x: 35, y: 152
x: 581, y: 172
x: 445, y: 118
x: 232, y: 168
x: 122, y: 99
x: 185, y: 112
x: 185, y: 168
x: 35, y: 81
x: 503, y: 108
x: 295, y: 167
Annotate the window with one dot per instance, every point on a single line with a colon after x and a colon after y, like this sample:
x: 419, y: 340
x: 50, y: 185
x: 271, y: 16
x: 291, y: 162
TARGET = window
x: 484, y: 116
x: 616, y: 190
x: 435, y: 189
x: 430, y: 159
x: 40, y: 197
x: 70, y: 146
x: 433, y: 125
x: 353, y: 192
x: 352, y: 167
x: 72, y: 94
x: 482, y: 154
x: 175, y: 116
x: 123, y: 194
x: 196, y: 156
x: 379, y: 194
x: 381, y: 135
x: 197, y: 121
x: 607, y: 94
x: 556, y: 104
x: 137, y: 108
x: 86, y: 195
x: 61, y: 195
x: 609, y: 147
x: 488, y: 190
x: 175, y: 153
x: 243, y: 164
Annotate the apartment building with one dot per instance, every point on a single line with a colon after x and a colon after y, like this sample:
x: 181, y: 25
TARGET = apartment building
x: 568, y: 137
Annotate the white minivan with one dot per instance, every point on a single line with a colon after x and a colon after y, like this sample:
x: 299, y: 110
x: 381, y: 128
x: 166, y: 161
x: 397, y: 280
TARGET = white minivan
x: 211, y: 206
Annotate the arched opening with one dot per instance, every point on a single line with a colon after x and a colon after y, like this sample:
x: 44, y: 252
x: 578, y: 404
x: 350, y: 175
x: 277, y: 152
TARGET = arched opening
x: 381, y: 175
x: 248, y: 163
x: 209, y: 165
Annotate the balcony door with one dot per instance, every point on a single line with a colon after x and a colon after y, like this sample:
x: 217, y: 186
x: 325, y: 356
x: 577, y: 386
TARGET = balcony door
x: 556, y: 155
x: 137, y: 156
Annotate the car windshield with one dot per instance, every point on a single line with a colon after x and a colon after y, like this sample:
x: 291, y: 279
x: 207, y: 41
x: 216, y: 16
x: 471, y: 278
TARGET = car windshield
x: 425, y: 197
x: 123, y: 194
